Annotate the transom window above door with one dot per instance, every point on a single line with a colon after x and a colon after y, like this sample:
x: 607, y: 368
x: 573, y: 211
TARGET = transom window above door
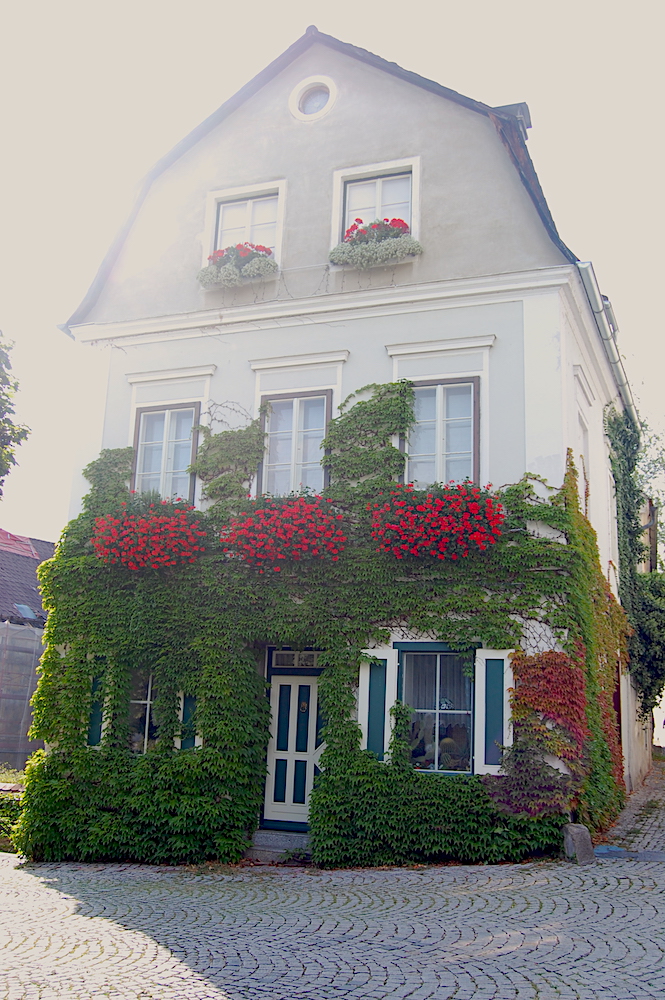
x: 378, y: 198
x: 253, y: 220
x: 295, y: 428
x: 165, y: 449
x: 442, y: 444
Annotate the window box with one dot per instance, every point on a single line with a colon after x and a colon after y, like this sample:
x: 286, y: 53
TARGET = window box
x: 373, y: 244
x: 235, y: 264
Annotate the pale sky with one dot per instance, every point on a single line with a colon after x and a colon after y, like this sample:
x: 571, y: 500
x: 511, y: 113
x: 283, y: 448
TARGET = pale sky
x: 94, y: 93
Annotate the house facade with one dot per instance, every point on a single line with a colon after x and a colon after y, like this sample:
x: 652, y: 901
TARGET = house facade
x: 503, y: 333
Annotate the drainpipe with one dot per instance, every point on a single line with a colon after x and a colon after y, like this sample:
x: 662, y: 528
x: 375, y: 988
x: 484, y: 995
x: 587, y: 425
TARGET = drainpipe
x: 608, y: 336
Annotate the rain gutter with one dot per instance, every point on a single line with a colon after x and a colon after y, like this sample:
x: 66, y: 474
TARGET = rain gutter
x: 608, y: 336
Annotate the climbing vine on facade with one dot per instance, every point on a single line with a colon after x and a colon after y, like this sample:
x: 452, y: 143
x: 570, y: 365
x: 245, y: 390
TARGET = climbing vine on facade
x: 196, y: 633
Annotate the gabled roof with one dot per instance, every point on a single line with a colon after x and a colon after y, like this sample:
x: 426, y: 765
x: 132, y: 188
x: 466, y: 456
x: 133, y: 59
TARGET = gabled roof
x: 19, y: 558
x: 509, y: 126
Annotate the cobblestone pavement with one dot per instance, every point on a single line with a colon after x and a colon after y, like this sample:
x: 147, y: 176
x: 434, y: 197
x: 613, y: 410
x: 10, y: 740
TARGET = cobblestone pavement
x: 641, y: 826
x: 536, y: 931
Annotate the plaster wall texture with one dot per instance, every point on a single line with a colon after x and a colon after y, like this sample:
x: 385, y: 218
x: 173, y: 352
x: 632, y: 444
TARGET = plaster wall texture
x: 476, y: 216
x: 636, y: 736
x: 366, y: 340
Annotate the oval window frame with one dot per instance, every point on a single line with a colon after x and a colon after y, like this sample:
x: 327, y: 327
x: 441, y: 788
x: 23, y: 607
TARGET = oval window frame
x: 310, y: 83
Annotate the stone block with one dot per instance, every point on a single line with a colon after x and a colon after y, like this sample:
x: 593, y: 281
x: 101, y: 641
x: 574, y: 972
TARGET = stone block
x: 577, y: 844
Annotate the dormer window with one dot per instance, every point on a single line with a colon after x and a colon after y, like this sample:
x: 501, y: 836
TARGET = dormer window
x: 378, y: 198
x: 253, y: 220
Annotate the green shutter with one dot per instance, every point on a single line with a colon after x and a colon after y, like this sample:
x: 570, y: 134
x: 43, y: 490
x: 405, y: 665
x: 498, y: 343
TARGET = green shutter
x: 493, y: 710
x: 376, y: 717
x: 188, y: 707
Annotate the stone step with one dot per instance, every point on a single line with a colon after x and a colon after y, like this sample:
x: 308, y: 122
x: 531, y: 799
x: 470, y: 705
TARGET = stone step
x: 278, y: 845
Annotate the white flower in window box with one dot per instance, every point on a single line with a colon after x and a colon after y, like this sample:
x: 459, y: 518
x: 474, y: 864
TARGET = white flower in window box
x: 384, y: 241
x: 228, y: 267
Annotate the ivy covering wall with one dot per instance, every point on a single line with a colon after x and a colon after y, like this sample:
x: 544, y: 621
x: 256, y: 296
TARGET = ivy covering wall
x: 642, y: 594
x: 201, y: 628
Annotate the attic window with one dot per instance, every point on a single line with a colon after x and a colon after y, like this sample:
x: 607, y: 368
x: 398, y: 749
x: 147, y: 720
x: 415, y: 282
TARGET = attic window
x: 25, y: 611
x: 312, y: 98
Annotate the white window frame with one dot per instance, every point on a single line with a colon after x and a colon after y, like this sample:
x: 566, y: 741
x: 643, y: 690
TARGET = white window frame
x: 294, y: 396
x: 300, y: 90
x: 441, y: 385
x: 368, y: 171
x: 247, y: 193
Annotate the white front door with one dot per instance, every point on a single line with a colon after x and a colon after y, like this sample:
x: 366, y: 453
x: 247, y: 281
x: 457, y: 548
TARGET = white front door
x: 294, y: 748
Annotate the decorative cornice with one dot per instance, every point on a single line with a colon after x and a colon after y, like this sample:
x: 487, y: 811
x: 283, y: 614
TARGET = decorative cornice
x: 389, y: 300
x: 300, y: 361
x: 441, y: 346
x: 200, y: 371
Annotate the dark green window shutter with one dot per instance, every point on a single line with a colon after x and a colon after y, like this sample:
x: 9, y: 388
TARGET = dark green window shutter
x: 189, y: 704
x: 493, y: 710
x: 376, y: 718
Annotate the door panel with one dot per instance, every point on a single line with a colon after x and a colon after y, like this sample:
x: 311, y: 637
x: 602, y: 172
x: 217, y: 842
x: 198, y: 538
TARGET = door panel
x: 294, y: 747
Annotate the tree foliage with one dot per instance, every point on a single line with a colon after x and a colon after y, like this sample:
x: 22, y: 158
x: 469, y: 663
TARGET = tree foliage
x: 11, y: 433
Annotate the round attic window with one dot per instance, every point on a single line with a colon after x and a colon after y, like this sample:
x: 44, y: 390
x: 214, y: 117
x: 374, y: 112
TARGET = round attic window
x: 312, y: 98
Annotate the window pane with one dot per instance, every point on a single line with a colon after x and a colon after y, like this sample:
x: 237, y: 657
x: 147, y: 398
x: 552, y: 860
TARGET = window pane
x: 265, y: 236
x: 311, y: 447
x: 459, y: 468
x: 234, y: 215
x: 420, y: 680
x: 455, y: 687
x: 178, y: 486
x: 181, y: 422
x: 264, y: 210
x: 151, y: 458
x: 281, y: 415
x: 279, y: 449
x: 278, y: 481
x: 360, y: 202
x: 425, y: 404
x: 458, y: 401
x: 454, y: 742
x: 137, y: 712
x: 152, y: 427
x: 312, y: 477
x: 422, y: 472
x: 423, y: 740
x: 422, y: 439
x: 148, y: 484
x: 396, y: 198
x: 312, y: 412
x: 138, y: 690
x: 458, y: 436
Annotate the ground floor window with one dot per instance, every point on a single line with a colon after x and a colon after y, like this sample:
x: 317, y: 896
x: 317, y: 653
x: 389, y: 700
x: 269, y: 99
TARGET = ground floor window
x: 440, y: 693
x: 142, y: 725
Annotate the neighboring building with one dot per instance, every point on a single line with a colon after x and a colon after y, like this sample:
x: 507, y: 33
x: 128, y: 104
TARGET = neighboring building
x: 504, y: 333
x: 21, y: 627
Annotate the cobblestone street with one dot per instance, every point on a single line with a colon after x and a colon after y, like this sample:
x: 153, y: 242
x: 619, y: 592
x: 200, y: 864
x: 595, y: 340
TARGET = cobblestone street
x: 531, y: 931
